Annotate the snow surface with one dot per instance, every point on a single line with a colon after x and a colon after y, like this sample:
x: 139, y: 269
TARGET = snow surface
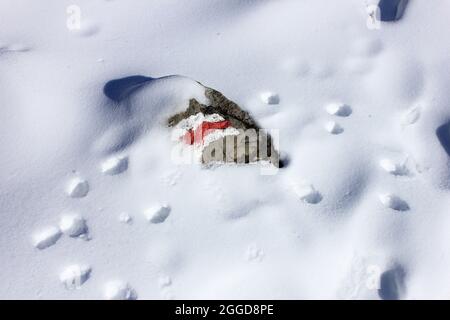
x: 331, y: 224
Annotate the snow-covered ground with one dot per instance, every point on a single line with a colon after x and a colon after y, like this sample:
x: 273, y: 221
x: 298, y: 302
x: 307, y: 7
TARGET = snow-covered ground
x: 93, y: 204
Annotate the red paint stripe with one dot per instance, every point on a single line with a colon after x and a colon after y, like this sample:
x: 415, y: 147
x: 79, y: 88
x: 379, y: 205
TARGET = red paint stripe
x: 203, y: 129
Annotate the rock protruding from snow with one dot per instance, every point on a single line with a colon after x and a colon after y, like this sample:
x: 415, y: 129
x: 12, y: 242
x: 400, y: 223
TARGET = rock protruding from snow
x: 307, y: 193
x: 394, y: 202
x: 124, y: 217
x: 270, y: 98
x: 396, y: 169
x: 339, y: 109
x: 74, y: 276
x: 157, y: 213
x: 119, y: 290
x: 333, y: 127
x: 46, y: 237
x: 115, y: 165
x: 73, y: 224
x: 77, y: 188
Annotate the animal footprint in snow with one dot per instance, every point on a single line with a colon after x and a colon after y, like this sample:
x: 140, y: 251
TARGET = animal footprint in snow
x: 334, y: 127
x: 270, y: 98
x: 393, y: 202
x: 115, y: 165
x: 77, y: 188
x: 47, y: 237
x: 411, y: 116
x: 394, y: 168
x: 157, y: 213
x: 73, y: 225
x: 125, y: 218
x: 164, y: 282
x: 119, y: 290
x: 339, y: 109
x: 307, y: 193
x: 254, y: 253
x: 74, y: 276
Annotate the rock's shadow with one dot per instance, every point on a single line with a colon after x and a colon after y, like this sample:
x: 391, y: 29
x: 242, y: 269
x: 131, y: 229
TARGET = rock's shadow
x: 392, y: 10
x: 443, y: 134
x: 119, y: 89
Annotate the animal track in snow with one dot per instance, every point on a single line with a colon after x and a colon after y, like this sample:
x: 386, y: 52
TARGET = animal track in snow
x: 333, y: 127
x: 339, y: 109
x: 77, y: 188
x: 115, y: 165
x: 74, y: 276
x: 393, y: 202
x: 86, y: 29
x: 270, y: 98
x: 392, y: 283
x: 254, y: 253
x: 164, y: 282
x: 307, y: 193
x: 157, y: 213
x: 16, y: 47
x: 124, y: 217
x: 119, y: 290
x: 411, y: 116
x: 394, y: 168
x: 74, y: 225
x: 47, y: 237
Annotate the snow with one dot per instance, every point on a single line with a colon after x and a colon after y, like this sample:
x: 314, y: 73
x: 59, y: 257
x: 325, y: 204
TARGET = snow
x: 124, y: 217
x: 78, y: 188
x: 366, y: 206
x: 339, y: 109
x: 73, y: 224
x: 46, y: 237
x: 119, y: 290
x: 157, y: 213
x: 270, y: 98
x: 74, y: 276
x: 394, y: 202
x: 333, y: 127
x: 115, y: 165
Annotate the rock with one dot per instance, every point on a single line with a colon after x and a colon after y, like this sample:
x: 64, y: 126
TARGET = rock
x: 239, y: 123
